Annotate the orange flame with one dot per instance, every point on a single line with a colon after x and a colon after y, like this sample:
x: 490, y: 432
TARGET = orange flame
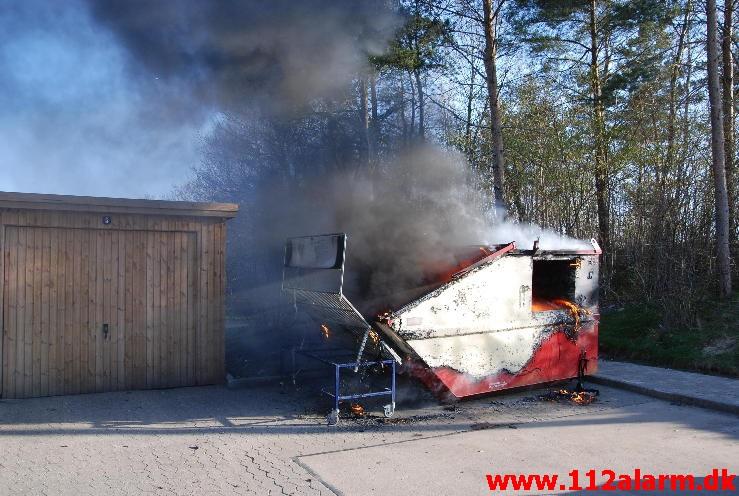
x: 326, y: 331
x: 582, y: 397
x: 574, y: 310
x: 578, y: 397
x: 561, y: 304
x: 357, y: 409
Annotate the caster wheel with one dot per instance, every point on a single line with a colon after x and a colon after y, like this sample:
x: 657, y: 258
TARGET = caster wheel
x: 333, y: 417
x: 388, y: 410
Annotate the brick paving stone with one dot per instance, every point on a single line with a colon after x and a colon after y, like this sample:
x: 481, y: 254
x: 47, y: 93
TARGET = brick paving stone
x: 207, y: 440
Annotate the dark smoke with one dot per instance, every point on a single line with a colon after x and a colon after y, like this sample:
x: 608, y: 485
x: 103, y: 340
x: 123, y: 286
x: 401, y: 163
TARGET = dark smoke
x: 407, y: 216
x: 279, y: 55
x: 74, y: 119
x: 286, y: 147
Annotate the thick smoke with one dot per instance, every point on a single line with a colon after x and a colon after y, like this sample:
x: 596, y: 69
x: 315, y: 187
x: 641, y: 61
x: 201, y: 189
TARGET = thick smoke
x: 525, y: 234
x: 408, y: 217
x: 279, y: 55
x: 416, y: 215
x: 73, y: 120
x: 274, y: 60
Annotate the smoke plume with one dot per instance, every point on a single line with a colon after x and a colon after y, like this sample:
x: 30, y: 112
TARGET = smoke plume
x: 278, y: 55
x: 405, y: 217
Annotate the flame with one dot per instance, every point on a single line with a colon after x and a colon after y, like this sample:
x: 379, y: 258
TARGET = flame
x: 374, y: 337
x: 385, y: 317
x: 578, y: 397
x: 574, y: 310
x: 538, y: 305
x: 577, y: 312
x: 357, y: 409
x: 582, y: 397
x: 326, y: 331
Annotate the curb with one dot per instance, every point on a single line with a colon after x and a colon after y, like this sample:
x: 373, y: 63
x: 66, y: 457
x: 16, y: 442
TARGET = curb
x: 675, y: 397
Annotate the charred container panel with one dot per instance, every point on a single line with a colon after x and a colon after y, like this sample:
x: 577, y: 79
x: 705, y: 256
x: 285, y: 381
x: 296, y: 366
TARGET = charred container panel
x: 504, y: 324
x: 505, y: 318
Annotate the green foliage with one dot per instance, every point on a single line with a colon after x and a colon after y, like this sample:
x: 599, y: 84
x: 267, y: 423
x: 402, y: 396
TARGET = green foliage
x: 417, y: 44
x: 548, y: 157
x: 637, y: 332
x: 631, y: 38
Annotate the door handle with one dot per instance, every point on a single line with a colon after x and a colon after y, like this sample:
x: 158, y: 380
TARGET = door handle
x: 105, y: 331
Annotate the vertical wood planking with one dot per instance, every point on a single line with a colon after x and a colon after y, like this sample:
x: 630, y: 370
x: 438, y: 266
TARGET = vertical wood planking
x: 220, y: 298
x: 191, y: 268
x: 28, y: 317
x: 157, y: 283
x: 80, y: 297
x: 44, y: 311
x: 178, y: 334
x: 202, y: 341
x: 140, y: 315
x: 169, y: 306
x: 171, y: 312
x: 107, y: 310
x: 163, y: 315
x: 36, y: 299
x: 128, y: 311
x: 58, y: 319
x: 10, y: 247
x: 98, y: 309
x: 92, y: 308
x: 212, y: 307
x: 77, y: 296
x: 157, y: 308
x: 71, y: 325
x: 21, y: 318
x: 3, y: 303
x: 182, y: 330
x: 52, y: 274
x: 150, y: 348
x: 120, y: 310
x: 112, y: 318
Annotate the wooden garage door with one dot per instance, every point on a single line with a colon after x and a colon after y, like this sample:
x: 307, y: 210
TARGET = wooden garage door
x: 90, y: 310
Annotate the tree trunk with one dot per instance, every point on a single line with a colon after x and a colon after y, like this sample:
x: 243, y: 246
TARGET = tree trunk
x: 419, y: 91
x: 468, y: 149
x: 599, y: 135
x: 374, y: 124
x: 413, y: 105
x: 723, y: 261
x: 364, y: 121
x: 491, y: 73
x: 728, y: 111
x: 672, y: 120
x: 403, y: 120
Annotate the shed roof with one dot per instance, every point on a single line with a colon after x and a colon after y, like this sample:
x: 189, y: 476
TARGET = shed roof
x: 34, y: 201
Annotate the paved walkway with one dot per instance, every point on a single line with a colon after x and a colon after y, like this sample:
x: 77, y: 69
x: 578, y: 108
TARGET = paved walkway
x: 719, y: 393
x: 212, y: 440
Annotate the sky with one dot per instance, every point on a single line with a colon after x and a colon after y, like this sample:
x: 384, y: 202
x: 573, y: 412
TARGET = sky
x: 77, y: 117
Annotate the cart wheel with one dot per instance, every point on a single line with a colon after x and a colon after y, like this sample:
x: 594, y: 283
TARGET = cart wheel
x: 389, y: 410
x: 333, y: 417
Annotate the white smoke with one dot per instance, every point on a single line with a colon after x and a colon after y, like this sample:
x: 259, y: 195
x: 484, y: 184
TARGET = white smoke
x: 525, y: 234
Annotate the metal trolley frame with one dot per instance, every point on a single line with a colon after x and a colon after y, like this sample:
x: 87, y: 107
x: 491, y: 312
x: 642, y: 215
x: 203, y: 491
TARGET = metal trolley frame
x: 340, y: 359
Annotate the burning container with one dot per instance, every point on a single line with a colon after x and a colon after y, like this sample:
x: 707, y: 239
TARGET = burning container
x: 497, y: 317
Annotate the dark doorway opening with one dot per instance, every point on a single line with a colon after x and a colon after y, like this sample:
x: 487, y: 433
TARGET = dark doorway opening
x: 552, y: 280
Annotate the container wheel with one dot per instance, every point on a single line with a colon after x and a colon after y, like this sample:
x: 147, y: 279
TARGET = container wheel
x: 333, y: 417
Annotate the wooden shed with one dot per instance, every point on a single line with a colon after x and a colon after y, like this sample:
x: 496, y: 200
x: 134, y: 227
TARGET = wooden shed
x: 107, y: 294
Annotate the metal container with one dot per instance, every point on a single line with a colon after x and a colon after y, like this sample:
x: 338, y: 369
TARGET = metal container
x: 501, y: 318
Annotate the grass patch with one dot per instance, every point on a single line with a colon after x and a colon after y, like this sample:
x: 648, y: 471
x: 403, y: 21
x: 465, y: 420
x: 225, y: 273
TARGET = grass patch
x: 636, y: 333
